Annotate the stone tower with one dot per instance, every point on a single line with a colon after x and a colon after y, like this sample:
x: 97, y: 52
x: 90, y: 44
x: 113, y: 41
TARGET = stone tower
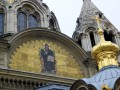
x: 85, y: 33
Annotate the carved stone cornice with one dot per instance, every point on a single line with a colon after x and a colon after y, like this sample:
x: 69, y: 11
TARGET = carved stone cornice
x: 26, y: 76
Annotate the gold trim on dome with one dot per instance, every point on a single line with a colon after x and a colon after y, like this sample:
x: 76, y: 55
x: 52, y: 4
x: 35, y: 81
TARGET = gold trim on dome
x: 106, y: 87
x: 27, y: 58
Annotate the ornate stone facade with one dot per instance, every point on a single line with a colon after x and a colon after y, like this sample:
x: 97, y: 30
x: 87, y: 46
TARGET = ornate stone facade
x: 86, y: 28
x: 27, y: 25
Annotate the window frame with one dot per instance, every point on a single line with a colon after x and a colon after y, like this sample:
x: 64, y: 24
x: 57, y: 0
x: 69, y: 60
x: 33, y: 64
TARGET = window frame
x: 18, y: 23
x: 2, y: 23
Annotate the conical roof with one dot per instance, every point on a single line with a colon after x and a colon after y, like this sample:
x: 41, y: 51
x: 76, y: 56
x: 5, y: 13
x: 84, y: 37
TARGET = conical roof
x: 85, y: 20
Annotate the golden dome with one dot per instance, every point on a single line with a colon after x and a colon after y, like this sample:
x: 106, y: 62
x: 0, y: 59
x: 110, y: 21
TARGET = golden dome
x: 106, y: 46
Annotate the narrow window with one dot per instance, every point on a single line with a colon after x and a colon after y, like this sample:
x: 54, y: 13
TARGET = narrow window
x: 51, y: 24
x: 109, y: 36
x: 79, y: 42
x: 1, y: 23
x: 92, y: 38
x: 112, y: 37
x: 106, y: 35
x: 32, y: 21
x: 22, y: 22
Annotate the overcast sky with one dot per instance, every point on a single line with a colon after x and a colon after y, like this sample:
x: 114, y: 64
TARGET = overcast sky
x: 67, y: 12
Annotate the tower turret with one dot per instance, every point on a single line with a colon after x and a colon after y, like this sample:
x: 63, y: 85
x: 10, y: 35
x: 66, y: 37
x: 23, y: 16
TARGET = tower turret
x: 86, y: 29
x: 108, y: 78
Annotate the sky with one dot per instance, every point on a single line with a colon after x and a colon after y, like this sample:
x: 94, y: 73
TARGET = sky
x: 67, y: 12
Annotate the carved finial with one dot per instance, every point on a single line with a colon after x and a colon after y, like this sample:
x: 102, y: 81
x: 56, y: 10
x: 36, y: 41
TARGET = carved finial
x: 105, y: 52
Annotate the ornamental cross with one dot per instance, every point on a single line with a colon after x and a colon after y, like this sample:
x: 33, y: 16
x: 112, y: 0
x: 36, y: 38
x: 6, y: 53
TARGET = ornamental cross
x: 100, y: 31
x: 98, y: 20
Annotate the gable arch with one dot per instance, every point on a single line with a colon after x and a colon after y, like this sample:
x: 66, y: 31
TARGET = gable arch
x: 53, y: 22
x: 64, y: 47
x: 90, y: 29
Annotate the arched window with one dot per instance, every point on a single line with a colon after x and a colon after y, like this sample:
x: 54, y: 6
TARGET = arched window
x: 1, y: 23
x: 32, y: 21
x: 92, y: 39
x: 22, y: 21
x: 109, y: 36
x: 80, y: 42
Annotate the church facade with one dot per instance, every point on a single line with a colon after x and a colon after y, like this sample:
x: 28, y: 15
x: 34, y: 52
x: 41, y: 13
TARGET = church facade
x: 35, y: 54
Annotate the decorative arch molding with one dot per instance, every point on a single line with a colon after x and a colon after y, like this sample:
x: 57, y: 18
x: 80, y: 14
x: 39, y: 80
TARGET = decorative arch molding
x: 91, y: 87
x: 91, y: 32
x: 42, y: 11
x: 85, y: 28
x: 3, y: 2
x: 117, y: 84
x: 90, y: 29
x: 27, y: 17
x: 82, y: 85
x: 79, y: 53
x: 54, y: 19
x: 3, y: 6
x: 79, y: 85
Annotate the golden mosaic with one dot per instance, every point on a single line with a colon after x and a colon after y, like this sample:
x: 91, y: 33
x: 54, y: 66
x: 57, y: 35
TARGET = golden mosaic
x: 31, y: 57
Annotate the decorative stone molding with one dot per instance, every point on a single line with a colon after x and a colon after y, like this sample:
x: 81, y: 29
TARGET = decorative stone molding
x: 2, y: 58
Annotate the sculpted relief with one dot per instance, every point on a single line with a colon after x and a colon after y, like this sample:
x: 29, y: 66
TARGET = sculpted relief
x: 47, y: 57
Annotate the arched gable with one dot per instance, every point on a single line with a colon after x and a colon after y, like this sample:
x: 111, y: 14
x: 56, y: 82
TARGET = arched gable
x: 26, y: 46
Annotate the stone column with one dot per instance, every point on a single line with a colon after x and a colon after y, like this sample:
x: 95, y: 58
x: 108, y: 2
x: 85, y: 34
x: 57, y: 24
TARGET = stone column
x: 45, y: 22
x: 89, y: 43
x: 84, y: 42
x: 10, y: 21
x: 96, y: 37
x: 15, y: 22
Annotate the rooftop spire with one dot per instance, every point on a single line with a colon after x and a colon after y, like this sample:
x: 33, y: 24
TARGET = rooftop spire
x: 105, y: 52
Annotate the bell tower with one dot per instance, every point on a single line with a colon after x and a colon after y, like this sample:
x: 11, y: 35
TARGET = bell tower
x: 85, y: 33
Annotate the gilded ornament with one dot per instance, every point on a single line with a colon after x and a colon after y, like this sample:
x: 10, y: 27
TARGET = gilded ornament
x: 105, y: 52
x: 105, y: 87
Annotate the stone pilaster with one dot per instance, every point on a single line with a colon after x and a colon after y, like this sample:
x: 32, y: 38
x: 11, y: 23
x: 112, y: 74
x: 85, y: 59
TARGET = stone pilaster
x: 10, y: 21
